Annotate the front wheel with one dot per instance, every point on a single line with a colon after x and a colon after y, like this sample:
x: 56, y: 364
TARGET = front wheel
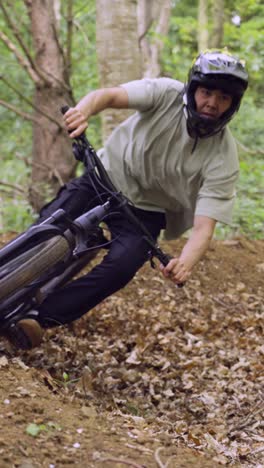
x: 30, y: 265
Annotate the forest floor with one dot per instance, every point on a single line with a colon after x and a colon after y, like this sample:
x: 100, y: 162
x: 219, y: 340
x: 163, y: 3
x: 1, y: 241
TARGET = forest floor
x: 155, y: 376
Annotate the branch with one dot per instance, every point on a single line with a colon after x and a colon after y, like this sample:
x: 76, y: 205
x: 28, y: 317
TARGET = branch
x: 31, y: 118
x: 53, y: 171
x: 42, y: 165
x: 248, y: 420
x: 34, y: 75
x: 156, y: 15
x: 28, y: 3
x: 31, y: 67
x: 19, y: 20
x: 44, y: 75
x: 248, y: 150
x: 69, y: 36
x: 24, y: 115
x: 62, y: 84
x: 20, y: 41
x: 80, y: 28
x: 145, y: 19
x: 158, y: 460
x: 28, y: 101
x: 59, y: 45
x: 21, y: 60
x: 17, y: 188
x: 24, y: 26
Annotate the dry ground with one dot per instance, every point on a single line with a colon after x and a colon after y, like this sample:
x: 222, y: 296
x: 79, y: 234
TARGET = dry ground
x: 153, y: 377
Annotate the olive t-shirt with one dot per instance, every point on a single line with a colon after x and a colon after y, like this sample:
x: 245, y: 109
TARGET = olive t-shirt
x: 152, y: 159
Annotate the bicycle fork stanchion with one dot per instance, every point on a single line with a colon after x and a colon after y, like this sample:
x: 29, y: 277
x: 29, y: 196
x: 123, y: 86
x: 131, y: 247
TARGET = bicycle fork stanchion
x: 93, y: 217
x: 87, y: 222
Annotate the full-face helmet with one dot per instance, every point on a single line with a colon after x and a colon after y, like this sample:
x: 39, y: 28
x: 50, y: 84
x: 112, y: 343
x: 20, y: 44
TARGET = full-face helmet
x: 214, y: 70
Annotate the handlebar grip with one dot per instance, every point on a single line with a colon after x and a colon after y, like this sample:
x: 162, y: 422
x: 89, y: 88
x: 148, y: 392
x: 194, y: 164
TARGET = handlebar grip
x: 81, y: 137
x: 164, y: 258
x: 64, y: 109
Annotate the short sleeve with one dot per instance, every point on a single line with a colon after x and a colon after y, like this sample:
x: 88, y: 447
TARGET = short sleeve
x: 148, y: 93
x: 216, y: 196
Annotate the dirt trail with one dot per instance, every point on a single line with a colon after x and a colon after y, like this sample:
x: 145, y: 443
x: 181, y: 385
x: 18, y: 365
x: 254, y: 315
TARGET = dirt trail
x: 153, y: 377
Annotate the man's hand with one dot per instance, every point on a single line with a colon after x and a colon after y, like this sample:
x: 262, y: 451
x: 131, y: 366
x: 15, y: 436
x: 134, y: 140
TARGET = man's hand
x: 77, y: 118
x: 176, y: 270
x: 179, y: 269
x: 75, y: 121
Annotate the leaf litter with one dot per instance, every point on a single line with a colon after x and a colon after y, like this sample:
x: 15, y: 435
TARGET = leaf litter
x: 169, y: 376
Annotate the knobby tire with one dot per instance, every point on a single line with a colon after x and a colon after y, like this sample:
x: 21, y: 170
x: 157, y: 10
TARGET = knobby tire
x: 30, y: 265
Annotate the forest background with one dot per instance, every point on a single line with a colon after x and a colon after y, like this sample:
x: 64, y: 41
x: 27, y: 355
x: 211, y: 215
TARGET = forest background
x: 80, y: 35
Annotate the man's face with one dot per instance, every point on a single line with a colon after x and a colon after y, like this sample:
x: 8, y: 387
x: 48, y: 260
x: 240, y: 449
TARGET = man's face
x: 211, y: 103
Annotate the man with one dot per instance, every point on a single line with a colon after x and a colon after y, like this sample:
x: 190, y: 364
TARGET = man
x: 174, y: 159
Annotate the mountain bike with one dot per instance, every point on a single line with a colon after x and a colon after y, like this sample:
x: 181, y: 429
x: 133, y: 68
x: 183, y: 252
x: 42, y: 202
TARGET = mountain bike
x: 52, y: 252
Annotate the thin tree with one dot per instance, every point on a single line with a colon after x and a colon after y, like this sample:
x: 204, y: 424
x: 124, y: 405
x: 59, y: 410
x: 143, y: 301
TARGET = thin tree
x: 218, y: 23
x: 153, y: 15
x: 202, y: 35
x: 117, y: 51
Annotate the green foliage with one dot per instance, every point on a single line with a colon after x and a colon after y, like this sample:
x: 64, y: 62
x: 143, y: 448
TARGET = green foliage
x: 17, y: 214
x: 247, y: 41
x: 248, y: 212
x: 180, y: 48
x: 34, y: 429
x: 15, y: 209
x: 249, y: 216
x: 248, y: 124
x: 66, y: 381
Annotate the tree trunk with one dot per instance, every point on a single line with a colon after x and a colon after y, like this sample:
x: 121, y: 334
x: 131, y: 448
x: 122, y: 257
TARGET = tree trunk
x: 117, y: 51
x: 202, y: 36
x: 53, y: 163
x: 155, y: 14
x: 218, y: 23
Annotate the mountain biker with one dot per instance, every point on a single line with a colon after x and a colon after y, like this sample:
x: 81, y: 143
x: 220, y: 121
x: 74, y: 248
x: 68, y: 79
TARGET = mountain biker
x: 174, y: 158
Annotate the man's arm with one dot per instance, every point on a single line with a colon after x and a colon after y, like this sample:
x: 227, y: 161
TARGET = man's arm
x: 179, y: 269
x: 76, y: 118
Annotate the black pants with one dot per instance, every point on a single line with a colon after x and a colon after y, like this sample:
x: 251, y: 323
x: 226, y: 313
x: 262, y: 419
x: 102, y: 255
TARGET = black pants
x: 127, y: 253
